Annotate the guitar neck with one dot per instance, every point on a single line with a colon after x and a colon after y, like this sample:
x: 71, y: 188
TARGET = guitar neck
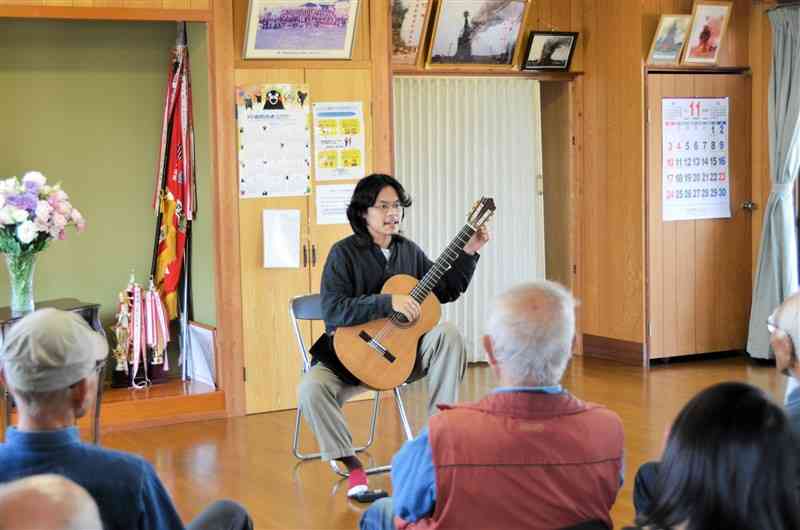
x: 442, y: 264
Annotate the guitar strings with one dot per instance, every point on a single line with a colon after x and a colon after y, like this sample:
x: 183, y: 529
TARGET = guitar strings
x: 431, y: 278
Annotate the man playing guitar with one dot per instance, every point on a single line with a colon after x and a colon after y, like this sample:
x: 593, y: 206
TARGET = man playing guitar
x: 354, y: 274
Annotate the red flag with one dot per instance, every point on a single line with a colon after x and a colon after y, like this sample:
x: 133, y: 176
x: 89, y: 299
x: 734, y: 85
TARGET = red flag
x: 175, y: 190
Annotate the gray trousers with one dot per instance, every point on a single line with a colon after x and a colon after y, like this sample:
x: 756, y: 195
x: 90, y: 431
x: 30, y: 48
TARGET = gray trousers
x: 442, y: 357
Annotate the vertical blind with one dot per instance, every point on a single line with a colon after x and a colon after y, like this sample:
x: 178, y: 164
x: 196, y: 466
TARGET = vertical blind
x: 457, y: 139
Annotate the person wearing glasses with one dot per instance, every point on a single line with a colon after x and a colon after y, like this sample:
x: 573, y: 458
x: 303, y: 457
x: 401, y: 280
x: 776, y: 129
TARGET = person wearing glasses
x: 50, y: 361
x: 355, y: 271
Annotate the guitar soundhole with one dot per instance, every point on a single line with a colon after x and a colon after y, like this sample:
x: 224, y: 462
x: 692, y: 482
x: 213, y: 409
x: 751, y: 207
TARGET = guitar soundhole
x: 401, y: 321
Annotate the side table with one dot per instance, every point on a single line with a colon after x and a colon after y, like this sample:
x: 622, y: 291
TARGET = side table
x: 91, y: 313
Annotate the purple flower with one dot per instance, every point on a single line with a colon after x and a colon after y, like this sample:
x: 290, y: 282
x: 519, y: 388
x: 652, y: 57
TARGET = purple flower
x: 32, y: 186
x: 24, y: 201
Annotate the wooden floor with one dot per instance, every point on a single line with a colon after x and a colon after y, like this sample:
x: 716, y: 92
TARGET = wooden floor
x: 249, y: 460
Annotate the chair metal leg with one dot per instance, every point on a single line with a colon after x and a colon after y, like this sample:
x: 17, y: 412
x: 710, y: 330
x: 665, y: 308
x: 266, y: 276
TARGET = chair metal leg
x: 376, y: 402
x: 401, y: 409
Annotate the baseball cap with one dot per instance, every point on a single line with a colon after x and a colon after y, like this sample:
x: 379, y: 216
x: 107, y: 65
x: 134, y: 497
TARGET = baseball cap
x: 50, y: 349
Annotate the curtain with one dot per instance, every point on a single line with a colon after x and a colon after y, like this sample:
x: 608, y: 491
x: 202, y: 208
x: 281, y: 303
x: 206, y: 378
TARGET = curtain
x: 776, y: 273
x: 457, y: 139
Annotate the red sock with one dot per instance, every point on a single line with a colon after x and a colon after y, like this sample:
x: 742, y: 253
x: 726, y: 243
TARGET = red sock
x: 357, y: 482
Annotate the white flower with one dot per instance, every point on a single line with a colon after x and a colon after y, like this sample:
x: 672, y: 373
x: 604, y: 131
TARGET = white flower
x: 35, y: 177
x: 43, y: 210
x: 26, y: 232
x: 9, y: 186
x: 18, y: 214
x: 5, y: 216
x: 2, y: 200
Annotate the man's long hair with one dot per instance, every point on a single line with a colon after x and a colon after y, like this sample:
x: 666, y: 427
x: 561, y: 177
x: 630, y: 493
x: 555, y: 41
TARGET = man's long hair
x: 365, y: 195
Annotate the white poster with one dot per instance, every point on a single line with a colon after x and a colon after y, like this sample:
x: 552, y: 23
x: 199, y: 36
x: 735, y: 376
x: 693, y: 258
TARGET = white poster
x: 274, y: 140
x: 281, y: 231
x: 695, y: 165
x: 332, y: 202
x: 339, y: 140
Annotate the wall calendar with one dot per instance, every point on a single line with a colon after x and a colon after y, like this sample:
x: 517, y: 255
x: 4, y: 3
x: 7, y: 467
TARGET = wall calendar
x: 695, y: 170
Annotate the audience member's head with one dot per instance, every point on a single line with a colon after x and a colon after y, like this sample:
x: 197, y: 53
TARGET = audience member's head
x: 730, y: 462
x: 49, y: 361
x: 784, y: 329
x: 530, y: 332
x: 47, y: 502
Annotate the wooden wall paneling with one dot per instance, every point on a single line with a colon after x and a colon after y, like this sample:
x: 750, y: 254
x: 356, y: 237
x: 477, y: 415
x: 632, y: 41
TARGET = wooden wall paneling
x: 337, y: 85
x: 560, y: 15
x: 359, y: 57
x: 614, y: 225
x: 99, y: 10
x: 381, y: 97
x: 576, y: 24
x: 226, y: 209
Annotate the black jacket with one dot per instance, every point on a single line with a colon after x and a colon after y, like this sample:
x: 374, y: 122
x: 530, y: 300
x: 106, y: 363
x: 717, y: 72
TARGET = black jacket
x: 353, y: 277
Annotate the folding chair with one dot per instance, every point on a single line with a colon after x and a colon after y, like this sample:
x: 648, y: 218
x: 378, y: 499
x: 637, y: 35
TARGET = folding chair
x: 309, y: 307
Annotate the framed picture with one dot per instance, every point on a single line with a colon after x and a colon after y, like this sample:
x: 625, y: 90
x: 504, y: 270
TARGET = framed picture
x: 709, y: 22
x: 549, y: 50
x: 299, y: 29
x: 669, y: 39
x: 409, y: 20
x: 482, y: 33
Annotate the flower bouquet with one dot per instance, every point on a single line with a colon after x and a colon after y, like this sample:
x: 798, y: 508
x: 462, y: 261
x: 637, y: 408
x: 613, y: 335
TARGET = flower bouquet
x: 31, y: 214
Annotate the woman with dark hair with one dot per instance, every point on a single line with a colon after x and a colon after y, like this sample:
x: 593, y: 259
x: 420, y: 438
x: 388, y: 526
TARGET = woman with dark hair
x: 730, y: 463
x: 354, y: 273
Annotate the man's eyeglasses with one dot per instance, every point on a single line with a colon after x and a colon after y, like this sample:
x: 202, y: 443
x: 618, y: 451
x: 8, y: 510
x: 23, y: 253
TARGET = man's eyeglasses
x: 385, y: 207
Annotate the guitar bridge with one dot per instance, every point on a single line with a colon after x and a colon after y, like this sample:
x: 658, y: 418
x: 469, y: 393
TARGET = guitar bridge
x: 377, y: 346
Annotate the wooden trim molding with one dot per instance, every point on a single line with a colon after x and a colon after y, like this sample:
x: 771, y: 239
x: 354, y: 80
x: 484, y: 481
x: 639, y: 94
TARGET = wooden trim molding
x: 230, y: 371
x: 106, y: 13
x: 381, y: 56
x: 614, y: 349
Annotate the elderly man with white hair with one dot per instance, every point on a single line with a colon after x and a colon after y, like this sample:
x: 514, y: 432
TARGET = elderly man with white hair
x: 50, y: 362
x: 528, y: 455
x: 47, y: 502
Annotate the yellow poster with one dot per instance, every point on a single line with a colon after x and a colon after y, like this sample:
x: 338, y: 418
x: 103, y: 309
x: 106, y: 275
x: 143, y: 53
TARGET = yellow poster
x: 339, y: 140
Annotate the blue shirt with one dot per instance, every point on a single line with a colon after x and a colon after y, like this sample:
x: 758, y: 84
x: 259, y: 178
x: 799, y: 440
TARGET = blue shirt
x: 413, y: 474
x: 127, y: 490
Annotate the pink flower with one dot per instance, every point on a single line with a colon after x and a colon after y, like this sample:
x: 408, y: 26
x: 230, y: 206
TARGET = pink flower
x: 62, y: 235
x: 43, y: 211
x: 59, y: 222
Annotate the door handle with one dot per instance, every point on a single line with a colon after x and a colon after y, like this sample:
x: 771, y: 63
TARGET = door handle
x: 313, y: 255
x: 749, y: 205
x: 305, y: 256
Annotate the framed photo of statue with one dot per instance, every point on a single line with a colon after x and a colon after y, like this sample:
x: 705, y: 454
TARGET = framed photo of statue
x: 298, y: 29
x: 669, y: 40
x: 709, y: 22
x: 549, y: 50
x: 409, y: 22
x: 481, y: 34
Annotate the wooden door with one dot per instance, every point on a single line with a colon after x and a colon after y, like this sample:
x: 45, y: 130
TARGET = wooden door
x: 699, y: 272
x: 271, y: 356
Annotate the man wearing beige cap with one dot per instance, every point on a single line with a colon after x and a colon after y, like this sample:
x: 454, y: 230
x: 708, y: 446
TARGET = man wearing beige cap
x: 49, y: 362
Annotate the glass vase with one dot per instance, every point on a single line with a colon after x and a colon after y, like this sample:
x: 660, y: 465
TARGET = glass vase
x: 20, y: 273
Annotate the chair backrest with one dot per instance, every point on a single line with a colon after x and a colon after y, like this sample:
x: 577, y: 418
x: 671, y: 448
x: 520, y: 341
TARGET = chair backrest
x: 306, y: 307
x: 588, y: 525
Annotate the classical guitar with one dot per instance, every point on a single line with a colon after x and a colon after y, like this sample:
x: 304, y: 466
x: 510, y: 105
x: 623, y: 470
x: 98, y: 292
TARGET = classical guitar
x: 381, y: 353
